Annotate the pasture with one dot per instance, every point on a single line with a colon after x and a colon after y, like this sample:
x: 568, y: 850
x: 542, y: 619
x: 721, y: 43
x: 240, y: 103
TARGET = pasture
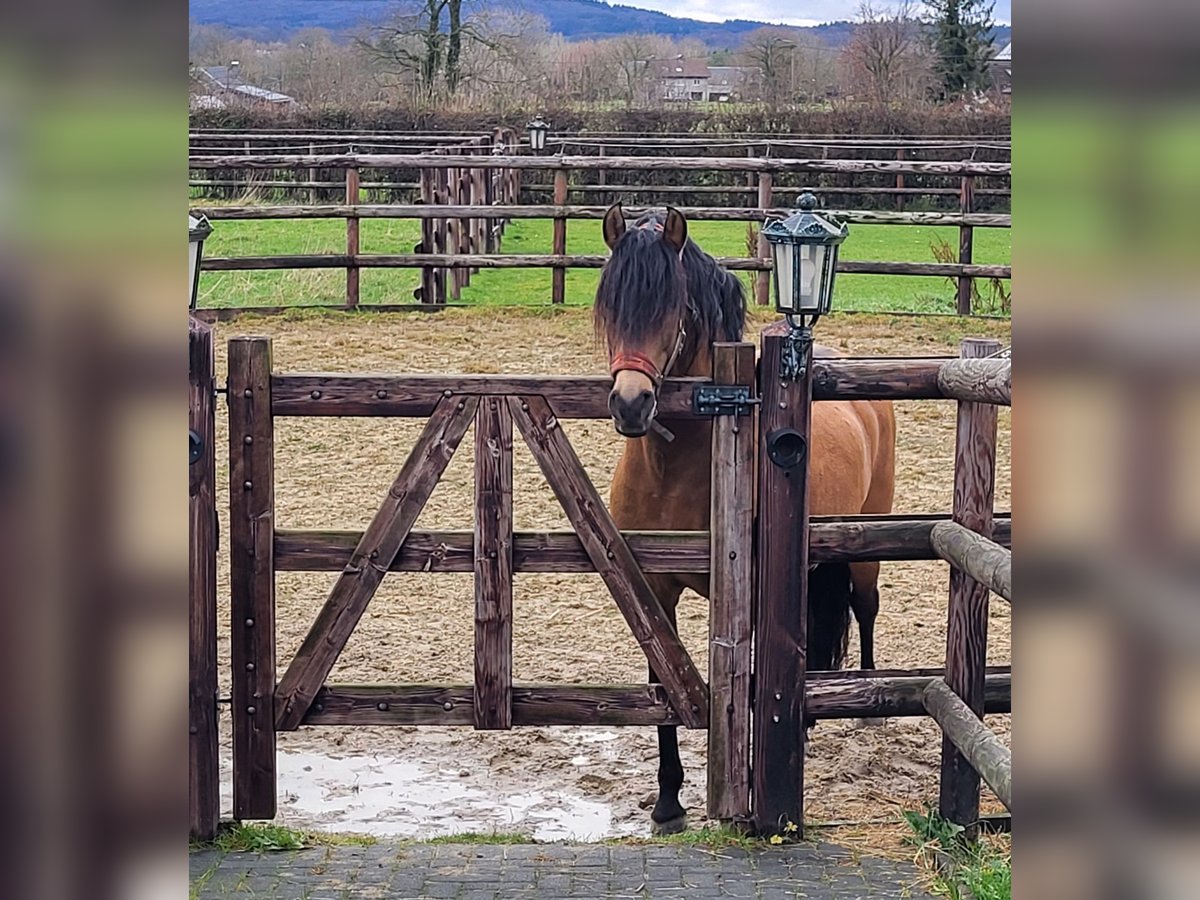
x: 520, y: 287
x: 331, y: 473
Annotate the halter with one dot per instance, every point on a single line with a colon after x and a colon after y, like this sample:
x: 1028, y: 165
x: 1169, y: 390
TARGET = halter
x: 633, y: 361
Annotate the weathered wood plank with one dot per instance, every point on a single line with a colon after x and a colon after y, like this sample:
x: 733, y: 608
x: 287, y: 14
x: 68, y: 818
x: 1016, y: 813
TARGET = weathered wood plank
x: 624, y: 163
x: 252, y: 576
x: 980, y: 380
x: 979, y: 746
x: 493, y: 564
x: 371, y: 559
x: 204, y: 786
x: 613, y: 559
x: 966, y: 243
x: 780, y: 626
x: 352, y: 244
x: 644, y: 704
x: 984, y: 560
x: 731, y: 590
x: 450, y: 260
x: 762, y: 281
x: 558, y: 287
x: 966, y: 632
x: 889, y: 696
x: 551, y: 211
x: 861, y: 538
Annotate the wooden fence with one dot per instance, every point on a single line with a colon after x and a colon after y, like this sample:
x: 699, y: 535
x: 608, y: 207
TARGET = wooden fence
x: 766, y: 791
x: 466, y: 225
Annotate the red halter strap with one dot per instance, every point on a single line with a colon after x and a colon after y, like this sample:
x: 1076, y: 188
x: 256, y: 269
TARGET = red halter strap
x: 636, y: 362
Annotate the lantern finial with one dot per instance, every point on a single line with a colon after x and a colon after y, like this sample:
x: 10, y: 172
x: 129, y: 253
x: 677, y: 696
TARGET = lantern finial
x: 807, y: 202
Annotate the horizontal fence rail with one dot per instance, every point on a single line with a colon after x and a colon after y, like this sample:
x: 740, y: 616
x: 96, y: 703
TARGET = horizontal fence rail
x: 579, y: 396
x: 866, y: 538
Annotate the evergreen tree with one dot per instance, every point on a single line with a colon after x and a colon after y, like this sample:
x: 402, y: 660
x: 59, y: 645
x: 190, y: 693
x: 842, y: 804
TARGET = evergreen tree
x: 960, y: 32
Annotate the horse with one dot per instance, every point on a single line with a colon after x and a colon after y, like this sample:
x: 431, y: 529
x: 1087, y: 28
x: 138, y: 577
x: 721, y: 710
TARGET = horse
x: 660, y: 305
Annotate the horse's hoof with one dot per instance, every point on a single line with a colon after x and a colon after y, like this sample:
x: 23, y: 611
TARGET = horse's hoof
x: 671, y: 826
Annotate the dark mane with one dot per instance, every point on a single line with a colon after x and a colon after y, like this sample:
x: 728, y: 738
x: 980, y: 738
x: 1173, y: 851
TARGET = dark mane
x: 645, y: 288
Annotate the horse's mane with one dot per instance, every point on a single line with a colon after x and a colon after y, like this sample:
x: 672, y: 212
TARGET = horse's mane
x: 645, y: 288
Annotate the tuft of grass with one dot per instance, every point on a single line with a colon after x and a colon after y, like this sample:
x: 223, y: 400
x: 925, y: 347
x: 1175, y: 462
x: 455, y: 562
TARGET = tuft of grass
x: 481, y: 837
x: 961, y: 870
x: 712, y: 837
x: 266, y: 837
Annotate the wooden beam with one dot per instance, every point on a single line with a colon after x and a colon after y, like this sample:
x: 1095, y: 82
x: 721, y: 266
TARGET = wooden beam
x: 979, y: 380
x: 252, y: 576
x: 204, y: 784
x: 978, y: 745
x: 782, y: 600
x: 894, y: 696
x: 371, y: 559
x: 856, y: 539
x: 966, y: 630
x: 731, y: 593
x: 558, y: 287
x: 623, y: 163
x: 984, y: 560
x: 493, y: 564
x: 613, y: 559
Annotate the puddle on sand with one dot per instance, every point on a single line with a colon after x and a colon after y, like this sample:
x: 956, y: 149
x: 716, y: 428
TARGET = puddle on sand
x: 390, y: 797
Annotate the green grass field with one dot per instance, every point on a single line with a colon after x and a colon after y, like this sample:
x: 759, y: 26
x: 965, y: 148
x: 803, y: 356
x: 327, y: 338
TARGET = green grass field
x: 509, y: 287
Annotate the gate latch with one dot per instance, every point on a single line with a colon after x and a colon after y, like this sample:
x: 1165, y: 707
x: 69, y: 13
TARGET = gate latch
x: 723, y: 400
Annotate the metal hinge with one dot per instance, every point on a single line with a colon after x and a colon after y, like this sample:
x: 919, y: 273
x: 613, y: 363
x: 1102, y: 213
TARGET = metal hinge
x: 723, y: 400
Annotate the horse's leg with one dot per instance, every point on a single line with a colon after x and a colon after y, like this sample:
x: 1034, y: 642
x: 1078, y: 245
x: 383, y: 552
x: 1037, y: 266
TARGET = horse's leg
x: 668, y: 815
x: 864, y: 600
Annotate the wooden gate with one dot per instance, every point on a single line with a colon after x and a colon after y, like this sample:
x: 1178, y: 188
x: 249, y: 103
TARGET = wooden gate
x: 263, y: 706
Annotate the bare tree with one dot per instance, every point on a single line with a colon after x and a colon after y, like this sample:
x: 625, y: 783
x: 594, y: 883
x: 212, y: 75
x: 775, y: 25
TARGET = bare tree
x: 773, y: 51
x: 885, y: 55
x: 633, y: 56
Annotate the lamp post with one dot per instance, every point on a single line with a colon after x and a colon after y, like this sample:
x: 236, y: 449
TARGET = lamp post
x: 538, y: 129
x: 198, y: 230
x: 804, y: 251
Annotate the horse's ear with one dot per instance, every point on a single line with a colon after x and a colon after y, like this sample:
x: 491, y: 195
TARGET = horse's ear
x: 614, y: 225
x: 675, y: 229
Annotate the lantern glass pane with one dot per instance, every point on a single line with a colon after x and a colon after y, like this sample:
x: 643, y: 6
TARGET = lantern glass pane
x: 812, y: 276
x: 193, y: 262
x: 785, y: 268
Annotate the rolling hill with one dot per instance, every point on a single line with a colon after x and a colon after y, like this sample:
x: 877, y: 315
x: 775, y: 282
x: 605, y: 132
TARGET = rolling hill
x: 270, y: 20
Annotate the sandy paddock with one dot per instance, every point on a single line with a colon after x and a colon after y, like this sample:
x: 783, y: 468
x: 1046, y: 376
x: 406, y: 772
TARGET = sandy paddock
x: 332, y: 473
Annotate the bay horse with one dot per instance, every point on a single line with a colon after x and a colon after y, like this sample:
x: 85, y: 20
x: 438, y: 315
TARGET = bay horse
x: 660, y: 305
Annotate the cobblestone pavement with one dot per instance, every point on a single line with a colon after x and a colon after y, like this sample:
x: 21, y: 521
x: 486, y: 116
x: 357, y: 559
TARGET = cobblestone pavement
x: 550, y: 872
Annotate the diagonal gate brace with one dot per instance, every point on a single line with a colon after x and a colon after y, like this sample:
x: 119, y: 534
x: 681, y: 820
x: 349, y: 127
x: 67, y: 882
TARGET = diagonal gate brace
x: 614, y: 561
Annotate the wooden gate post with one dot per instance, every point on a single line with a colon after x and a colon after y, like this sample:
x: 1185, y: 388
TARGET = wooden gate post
x: 203, y: 768
x: 966, y: 241
x: 780, y: 623
x: 731, y: 592
x: 352, y: 223
x: 558, y: 292
x: 966, y: 632
x: 252, y: 576
x: 762, y: 281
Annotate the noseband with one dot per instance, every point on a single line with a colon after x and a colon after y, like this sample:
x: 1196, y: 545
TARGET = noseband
x: 633, y: 361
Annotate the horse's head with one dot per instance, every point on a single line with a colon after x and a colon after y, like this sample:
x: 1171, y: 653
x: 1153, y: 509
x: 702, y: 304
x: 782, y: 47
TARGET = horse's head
x: 642, y: 311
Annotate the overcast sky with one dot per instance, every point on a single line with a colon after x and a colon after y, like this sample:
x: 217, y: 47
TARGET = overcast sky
x: 791, y: 12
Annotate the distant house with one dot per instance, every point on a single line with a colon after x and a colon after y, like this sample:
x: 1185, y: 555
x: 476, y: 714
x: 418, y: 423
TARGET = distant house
x: 1001, y: 69
x: 225, y: 87
x: 694, y: 79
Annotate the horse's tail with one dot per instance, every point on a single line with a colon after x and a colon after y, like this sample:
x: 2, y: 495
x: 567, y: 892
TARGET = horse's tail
x: 829, y: 588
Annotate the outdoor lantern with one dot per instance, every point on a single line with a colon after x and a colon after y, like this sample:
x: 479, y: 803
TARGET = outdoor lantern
x: 804, y: 247
x: 538, y: 129
x: 198, y: 230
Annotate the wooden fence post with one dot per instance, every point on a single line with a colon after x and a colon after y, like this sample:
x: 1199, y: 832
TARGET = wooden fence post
x: 900, y: 181
x: 441, y: 181
x: 493, y: 564
x: 762, y: 281
x: 312, y: 176
x: 558, y: 292
x: 203, y: 767
x: 781, y: 620
x: 252, y: 576
x: 352, y: 223
x: 428, y: 290
x: 731, y: 592
x: 966, y: 632
x: 966, y: 239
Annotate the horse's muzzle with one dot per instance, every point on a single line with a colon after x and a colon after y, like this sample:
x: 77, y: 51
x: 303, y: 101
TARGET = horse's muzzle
x: 632, y: 413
